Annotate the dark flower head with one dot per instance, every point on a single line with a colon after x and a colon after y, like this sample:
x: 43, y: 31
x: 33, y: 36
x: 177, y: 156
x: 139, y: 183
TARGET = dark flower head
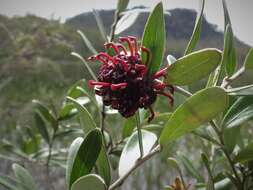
x: 123, y: 80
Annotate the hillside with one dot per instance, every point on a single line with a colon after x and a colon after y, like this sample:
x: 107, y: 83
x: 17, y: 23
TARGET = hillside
x: 35, y: 59
x: 179, y: 25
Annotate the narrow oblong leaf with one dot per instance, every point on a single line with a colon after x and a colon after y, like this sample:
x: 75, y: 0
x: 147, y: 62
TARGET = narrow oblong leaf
x: 214, y: 77
x: 122, y: 5
x: 160, y: 118
x: 87, y: 42
x: 8, y: 183
x: 100, y: 24
x: 89, y: 182
x: 45, y: 113
x: 241, y: 91
x: 154, y: 38
x: 82, y: 156
x: 231, y: 138
x: 131, y: 151
x: 191, y: 169
x: 85, y: 117
x: 245, y: 155
x: 103, y: 165
x: 174, y: 163
x: 24, y: 178
x: 226, y: 14
x: 126, y: 21
x: 41, y: 126
x: 196, y: 32
x: 240, y: 112
x: 193, y: 67
x: 195, y: 111
x: 248, y: 63
x: 128, y: 127
x: 229, y: 53
x: 156, y: 129
x: 67, y: 111
x: 85, y: 64
x: 81, y: 90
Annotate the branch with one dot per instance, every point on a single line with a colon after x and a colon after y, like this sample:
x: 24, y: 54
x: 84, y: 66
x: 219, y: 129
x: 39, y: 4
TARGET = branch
x: 114, y: 24
x: 139, y: 162
x: 182, y: 91
x: 227, y: 80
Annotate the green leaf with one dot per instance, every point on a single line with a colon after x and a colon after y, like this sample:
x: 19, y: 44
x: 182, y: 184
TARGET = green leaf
x: 131, y: 151
x: 245, y: 155
x: 122, y: 5
x: 156, y: 129
x: 67, y: 111
x: 229, y: 54
x: 231, y: 137
x: 103, y: 165
x: 45, y: 113
x: 41, y: 126
x: 85, y: 64
x: 89, y: 182
x: 196, y: 32
x: 195, y: 111
x: 157, y: 124
x: 191, y: 169
x: 68, y: 132
x: 214, y: 77
x: 154, y: 38
x: 87, y: 42
x: 82, y: 156
x: 24, y: 178
x: 193, y: 67
x: 205, y: 136
x: 159, y: 119
x: 226, y: 14
x: 241, y: 91
x: 240, y: 112
x: 174, y: 163
x: 128, y: 127
x: 127, y: 20
x: 79, y: 89
x: 248, y: 63
x: 85, y: 117
x: 8, y: 183
x: 100, y: 24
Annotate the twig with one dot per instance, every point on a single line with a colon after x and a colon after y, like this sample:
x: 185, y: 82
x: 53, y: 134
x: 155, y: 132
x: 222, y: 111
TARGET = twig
x: 182, y: 91
x: 114, y: 24
x: 227, y: 80
x: 219, y: 134
x: 50, y: 146
x: 139, y: 162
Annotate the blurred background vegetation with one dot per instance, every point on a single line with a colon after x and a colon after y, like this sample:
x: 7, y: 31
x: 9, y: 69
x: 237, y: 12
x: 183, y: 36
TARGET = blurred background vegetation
x: 35, y: 63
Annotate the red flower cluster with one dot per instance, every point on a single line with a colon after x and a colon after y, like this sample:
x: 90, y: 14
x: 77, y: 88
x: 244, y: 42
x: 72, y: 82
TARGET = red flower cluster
x: 123, y: 80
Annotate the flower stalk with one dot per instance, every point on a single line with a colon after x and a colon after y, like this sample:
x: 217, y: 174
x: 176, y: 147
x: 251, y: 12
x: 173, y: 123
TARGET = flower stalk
x: 137, y: 117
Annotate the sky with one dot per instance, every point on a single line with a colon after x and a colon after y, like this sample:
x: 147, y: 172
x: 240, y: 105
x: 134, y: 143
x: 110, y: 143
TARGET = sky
x: 240, y: 10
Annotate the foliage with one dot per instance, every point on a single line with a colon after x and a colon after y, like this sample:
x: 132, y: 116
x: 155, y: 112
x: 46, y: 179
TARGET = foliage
x: 106, y: 149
